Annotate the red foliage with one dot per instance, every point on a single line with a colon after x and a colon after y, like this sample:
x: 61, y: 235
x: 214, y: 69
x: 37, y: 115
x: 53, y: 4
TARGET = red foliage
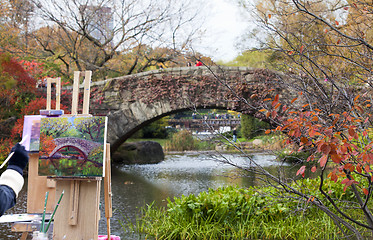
x: 35, y: 69
x: 47, y: 144
x: 25, y: 82
x: 339, y: 141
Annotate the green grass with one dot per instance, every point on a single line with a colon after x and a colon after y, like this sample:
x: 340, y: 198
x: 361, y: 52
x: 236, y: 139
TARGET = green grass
x: 238, y: 213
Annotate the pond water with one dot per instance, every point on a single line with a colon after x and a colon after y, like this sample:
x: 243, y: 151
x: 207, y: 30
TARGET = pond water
x: 134, y: 186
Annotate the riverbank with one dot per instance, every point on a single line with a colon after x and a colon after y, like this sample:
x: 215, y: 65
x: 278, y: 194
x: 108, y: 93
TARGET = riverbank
x: 135, y: 152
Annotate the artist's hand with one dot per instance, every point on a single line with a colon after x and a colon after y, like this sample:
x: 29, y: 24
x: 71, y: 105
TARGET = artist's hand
x: 19, y: 158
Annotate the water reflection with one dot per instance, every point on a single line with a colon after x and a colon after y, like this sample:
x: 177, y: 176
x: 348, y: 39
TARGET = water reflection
x: 134, y: 186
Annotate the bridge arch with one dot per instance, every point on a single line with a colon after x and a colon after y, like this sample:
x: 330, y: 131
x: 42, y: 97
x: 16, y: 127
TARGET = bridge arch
x: 57, y: 150
x: 133, y: 101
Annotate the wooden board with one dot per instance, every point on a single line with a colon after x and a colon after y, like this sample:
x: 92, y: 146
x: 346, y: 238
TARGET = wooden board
x: 85, y: 210
x: 37, y: 187
x: 107, y: 190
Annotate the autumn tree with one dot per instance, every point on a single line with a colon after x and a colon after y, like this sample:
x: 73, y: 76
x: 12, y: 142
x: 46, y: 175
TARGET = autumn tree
x: 80, y: 35
x: 17, y: 88
x: 54, y: 127
x: 92, y: 128
x: 326, y: 49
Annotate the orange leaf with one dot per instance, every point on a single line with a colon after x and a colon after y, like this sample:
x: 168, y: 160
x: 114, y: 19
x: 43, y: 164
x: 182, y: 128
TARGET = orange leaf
x: 274, y: 114
x: 301, y: 170
x: 304, y: 140
x: 269, y: 15
x: 344, y: 181
x: 254, y: 96
x: 262, y: 110
x: 294, y: 99
x: 278, y: 105
x: 313, y: 169
x: 277, y: 97
x: 352, y: 132
x: 301, y: 49
x: 336, y: 158
x: 306, y: 105
x: 365, y: 191
x: 274, y: 103
x: 323, y: 160
x: 336, y: 22
x: 358, y: 168
x: 325, y: 148
x: 268, y: 131
x: 356, y: 98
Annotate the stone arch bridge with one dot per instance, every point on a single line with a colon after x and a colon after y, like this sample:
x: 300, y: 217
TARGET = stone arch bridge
x: 133, y: 101
x: 84, y: 146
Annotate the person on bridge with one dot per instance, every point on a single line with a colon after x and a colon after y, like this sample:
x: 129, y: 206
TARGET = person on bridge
x: 198, y: 63
x: 11, y: 180
x: 234, y: 135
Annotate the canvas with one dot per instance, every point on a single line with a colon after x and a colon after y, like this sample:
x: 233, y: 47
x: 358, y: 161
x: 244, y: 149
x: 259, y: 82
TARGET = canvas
x: 31, y: 132
x: 72, y: 146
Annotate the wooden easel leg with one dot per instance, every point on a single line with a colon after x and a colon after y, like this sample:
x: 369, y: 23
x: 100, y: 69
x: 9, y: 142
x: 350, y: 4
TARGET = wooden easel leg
x: 107, y: 190
x: 24, y: 236
x: 74, y: 202
x: 108, y: 227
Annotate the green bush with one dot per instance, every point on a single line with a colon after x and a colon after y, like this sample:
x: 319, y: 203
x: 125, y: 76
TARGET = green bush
x: 237, y: 213
x: 184, y: 141
x: 251, y: 126
x: 181, y: 141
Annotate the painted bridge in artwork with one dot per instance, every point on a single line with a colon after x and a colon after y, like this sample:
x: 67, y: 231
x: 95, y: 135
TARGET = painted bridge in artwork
x: 133, y: 101
x: 82, y: 145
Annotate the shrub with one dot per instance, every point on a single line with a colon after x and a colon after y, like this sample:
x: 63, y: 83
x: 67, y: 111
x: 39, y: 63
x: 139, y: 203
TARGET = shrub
x: 181, y: 141
x: 251, y: 126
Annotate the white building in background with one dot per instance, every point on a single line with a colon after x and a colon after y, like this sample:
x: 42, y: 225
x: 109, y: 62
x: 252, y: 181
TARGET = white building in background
x: 99, y: 20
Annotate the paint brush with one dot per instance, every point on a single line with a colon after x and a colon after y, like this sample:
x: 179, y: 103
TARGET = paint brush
x: 45, y: 207
x: 54, y: 211
x: 11, y: 154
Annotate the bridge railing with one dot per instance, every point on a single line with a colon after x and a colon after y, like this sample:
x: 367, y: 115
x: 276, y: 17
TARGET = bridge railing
x: 200, y: 124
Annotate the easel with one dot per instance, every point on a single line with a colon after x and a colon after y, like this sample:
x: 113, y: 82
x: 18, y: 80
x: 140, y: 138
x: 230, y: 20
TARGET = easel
x: 78, y: 213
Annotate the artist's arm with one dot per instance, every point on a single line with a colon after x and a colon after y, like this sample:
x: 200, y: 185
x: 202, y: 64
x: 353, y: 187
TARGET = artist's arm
x: 11, y: 180
x: 7, y: 198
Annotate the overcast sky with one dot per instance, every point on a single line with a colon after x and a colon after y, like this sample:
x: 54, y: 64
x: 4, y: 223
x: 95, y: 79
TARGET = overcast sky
x: 225, y: 25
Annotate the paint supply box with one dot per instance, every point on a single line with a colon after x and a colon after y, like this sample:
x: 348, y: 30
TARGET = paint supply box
x: 104, y: 237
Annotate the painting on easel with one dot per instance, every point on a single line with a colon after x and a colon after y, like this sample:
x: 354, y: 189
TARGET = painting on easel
x: 72, y: 146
